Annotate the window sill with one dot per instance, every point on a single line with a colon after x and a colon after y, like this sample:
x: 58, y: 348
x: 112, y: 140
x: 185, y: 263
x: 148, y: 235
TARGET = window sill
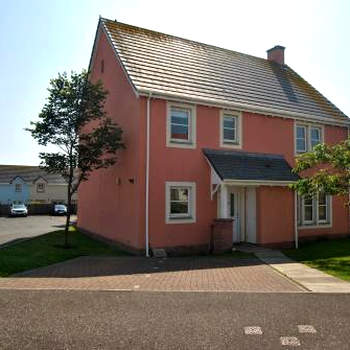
x: 181, y: 144
x: 313, y: 226
x: 230, y: 145
x: 181, y: 220
x: 226, y: 142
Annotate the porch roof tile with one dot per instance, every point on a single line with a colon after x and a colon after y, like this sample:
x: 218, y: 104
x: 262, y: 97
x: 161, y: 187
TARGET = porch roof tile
x: 238, y: 165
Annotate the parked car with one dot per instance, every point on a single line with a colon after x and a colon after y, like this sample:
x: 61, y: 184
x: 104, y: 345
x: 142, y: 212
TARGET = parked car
x: 18, y: 210
x: 60, y: 209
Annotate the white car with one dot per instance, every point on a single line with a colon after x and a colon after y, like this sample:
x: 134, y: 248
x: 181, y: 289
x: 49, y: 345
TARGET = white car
x: 60, y: 209
x: 18, y: 210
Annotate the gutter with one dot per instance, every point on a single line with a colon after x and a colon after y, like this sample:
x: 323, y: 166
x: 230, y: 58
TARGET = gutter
x: 148, y: 125
x: 296, y: 233
x: 248, y: 108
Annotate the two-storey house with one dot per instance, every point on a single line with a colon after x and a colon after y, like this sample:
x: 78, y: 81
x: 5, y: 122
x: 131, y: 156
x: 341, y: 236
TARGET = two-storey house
x: 31, y: 185
x: 210, y: 134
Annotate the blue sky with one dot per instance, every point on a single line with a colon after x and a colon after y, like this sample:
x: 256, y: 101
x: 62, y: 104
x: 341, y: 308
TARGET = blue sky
x: 41, y: 38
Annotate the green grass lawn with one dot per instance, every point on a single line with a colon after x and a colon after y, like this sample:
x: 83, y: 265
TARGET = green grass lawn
x: 331, y: 256
x: 47, y: 249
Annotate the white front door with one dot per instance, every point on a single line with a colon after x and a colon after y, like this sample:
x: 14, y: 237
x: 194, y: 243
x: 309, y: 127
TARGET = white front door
x: 233, y: 206
x: 251, y: 215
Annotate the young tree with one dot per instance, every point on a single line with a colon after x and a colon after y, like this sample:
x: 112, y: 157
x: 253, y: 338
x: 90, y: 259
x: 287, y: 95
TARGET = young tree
x: 74, y: 120
x: 331, y: 166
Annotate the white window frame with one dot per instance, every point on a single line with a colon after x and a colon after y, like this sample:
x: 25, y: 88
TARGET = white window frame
x: 238, y: 117
x: 43, y: 188
x: 296, y: 138
x: 179, y: 143
x: 181, y: 218
x: 20, y: 187
x: 320, y: 133
x: 316, y: 222
x: 304, y: 221
x: 321, y: 221
x: 308, y: 143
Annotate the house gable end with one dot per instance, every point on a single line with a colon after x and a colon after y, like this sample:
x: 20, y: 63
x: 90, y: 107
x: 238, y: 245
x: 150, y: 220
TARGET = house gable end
x: 101, y: 30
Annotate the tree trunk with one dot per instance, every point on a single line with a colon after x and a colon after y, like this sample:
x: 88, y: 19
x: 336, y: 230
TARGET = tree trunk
x: 69, y: 205
x: 66, y: 229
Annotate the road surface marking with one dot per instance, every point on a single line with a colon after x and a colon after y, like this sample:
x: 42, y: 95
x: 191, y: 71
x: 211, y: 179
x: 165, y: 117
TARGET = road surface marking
x: 290, y: 341
x: 253, y: 330
x: 305, y: 328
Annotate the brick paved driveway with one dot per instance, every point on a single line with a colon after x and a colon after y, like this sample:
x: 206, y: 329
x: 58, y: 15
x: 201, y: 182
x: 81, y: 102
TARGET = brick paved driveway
x: 142, y: 274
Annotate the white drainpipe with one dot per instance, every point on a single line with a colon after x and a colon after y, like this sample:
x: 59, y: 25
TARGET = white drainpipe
x: 148, y: 122
x: 296, y: 238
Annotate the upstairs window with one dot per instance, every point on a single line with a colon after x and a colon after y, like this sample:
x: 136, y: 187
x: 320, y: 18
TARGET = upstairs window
x: 181, y: 126
x: 301, y: 139
x: 40, y: 187
x: 230, y: 130
x: 18, y: 187
x: 307, y: 137
x: 315, y: 136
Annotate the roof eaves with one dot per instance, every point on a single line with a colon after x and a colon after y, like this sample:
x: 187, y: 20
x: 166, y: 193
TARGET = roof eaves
x: 212, y: 166
x: 39, y: 177
x: 15, y: 177
x: 93, y: 52
x: 245, y: 107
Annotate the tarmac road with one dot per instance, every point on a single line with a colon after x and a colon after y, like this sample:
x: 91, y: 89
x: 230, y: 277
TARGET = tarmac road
x: 170, y: 320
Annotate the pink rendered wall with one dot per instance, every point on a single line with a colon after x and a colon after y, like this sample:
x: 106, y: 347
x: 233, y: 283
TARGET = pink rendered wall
x: 260, y: 134
x: 175, y: 164
x: 117, y: 212
x: 268, y: 135
x: 106, y: 208
x: 275, y: 213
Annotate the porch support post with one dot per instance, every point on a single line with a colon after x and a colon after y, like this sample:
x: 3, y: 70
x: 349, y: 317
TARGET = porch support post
x: 223, y: 201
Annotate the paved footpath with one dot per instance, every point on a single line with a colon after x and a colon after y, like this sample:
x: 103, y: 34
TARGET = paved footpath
x: 156, y: 274
x: 312, y: 279
x: 89, y: 320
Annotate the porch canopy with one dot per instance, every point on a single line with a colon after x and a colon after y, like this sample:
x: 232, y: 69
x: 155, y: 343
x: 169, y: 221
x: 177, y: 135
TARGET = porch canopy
x: 238, y: 168
x: 246, y: 167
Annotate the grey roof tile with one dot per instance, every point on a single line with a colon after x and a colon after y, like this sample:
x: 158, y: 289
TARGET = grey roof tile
x: 238, y: 165
x: 169, y: 65
x: 28, y: 173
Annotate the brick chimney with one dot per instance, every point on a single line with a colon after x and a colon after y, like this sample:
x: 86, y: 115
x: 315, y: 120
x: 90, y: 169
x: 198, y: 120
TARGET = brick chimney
x: 276, y: 54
